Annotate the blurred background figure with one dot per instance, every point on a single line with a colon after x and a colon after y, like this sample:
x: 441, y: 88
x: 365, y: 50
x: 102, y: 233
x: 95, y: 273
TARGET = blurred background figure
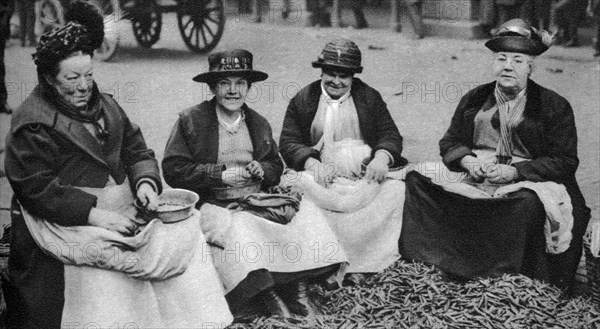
x: 508, y: 9
x: 593, y: 10
x: 319, y: 12
x: 27, y: 23
x: 567, y: 16
x: 6, y: 11
x: 256, y: 8
x: 537, y: 12
x: 360, y: 21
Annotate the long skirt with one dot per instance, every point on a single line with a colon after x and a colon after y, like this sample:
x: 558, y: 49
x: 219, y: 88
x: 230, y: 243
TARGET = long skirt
x: 480, y: 237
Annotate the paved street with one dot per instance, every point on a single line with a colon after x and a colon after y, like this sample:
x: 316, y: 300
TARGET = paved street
x: 421, y: 81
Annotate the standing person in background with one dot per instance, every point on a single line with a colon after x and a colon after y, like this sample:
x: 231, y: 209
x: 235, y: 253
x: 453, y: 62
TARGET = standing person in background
x: 537, y: 12
x: 487, y: 15
x: 6, y: 11
x: 567, y: 15
x: 27, y: 23
x: 508, y: 9
x: 593, y: 10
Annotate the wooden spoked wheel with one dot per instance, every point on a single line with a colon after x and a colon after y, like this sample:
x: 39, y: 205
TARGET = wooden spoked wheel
x: 146, y: 20
x: 201, y: 23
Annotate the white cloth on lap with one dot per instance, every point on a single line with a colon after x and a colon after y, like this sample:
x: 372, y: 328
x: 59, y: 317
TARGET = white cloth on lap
x: 158, y: 278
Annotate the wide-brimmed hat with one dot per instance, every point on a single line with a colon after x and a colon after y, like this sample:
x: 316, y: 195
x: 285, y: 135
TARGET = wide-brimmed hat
x: 227, y: 63
x: 516, y: 36
x: 340, y: 54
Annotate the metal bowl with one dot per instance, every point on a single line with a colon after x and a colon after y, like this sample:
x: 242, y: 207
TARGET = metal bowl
x: 174, y: 205
x: 232, y: 193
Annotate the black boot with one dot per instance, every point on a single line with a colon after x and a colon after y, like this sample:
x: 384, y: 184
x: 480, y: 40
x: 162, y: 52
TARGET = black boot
x: 273, y: 304
x: 298, y: 301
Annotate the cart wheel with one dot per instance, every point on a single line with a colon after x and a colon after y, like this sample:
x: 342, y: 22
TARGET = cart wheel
x: 51, y: 15
x: 111, y: 11
x: 146, y: 20
x: 201, y: 23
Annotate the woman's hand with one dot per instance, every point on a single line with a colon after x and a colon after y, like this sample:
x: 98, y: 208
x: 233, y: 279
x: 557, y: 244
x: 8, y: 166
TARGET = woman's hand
x: 378, y: 168
x: 255, y: 169
x: 147, y: 196
x: 112, y: 221
x: 475, y: 167
x: 501, y: 173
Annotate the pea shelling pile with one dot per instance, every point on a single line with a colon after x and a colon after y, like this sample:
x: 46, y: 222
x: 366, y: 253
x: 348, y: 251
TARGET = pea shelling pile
x: 413, y: 295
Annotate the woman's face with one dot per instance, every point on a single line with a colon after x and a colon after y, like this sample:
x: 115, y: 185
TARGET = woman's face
x: 231, y: 92
x: 512, y: 70
x: 336, y: 83
x: 74, y: 80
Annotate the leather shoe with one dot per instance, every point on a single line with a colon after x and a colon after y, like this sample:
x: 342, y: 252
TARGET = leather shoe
x: 298, y: 300
x: 273, y: 304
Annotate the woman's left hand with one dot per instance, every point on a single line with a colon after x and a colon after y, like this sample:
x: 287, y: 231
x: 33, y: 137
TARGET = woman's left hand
x: 147, y: 196
x: 255, y: 169
x: 501, y: 173
x: 378, y: 168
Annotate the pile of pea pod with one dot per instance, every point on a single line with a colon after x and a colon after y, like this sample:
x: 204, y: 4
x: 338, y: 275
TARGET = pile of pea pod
x: 413, y: 295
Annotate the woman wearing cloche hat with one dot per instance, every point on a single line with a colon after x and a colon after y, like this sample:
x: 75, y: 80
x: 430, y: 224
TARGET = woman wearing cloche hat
x: 339, y: 126
x: 517, y: 136
x: 222, y: 146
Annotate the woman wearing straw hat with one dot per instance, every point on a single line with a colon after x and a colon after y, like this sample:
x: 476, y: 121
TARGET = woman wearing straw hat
x: 519, y: 139
x: 339, y: 126
x: 264, y: 265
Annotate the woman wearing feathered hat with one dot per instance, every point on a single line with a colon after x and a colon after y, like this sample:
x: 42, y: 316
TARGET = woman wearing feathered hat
x: 224, y: 143
x: 70, y: 148
x: 517, y: 136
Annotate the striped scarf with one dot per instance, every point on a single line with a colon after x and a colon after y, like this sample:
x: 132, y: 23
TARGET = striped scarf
x: 509, y: 119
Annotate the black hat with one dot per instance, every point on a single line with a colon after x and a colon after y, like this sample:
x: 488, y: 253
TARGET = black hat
x: 84, y: 32
x: 516, y: 36
x: 340, y: 54
x: 236, y: 62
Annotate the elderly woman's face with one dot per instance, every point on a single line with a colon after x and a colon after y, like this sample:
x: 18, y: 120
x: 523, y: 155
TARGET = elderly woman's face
x: 74, y: 80
x: 336, y: 83
x: 231, y: 92
x: 512, y: 70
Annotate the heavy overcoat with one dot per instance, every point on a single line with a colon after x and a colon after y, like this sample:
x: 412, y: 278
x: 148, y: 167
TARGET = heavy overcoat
x: 376, y: 124
x: 48, y: 155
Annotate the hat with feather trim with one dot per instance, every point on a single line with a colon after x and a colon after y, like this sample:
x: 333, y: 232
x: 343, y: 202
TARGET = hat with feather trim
x: 84, y: 32
x: 516, y: 36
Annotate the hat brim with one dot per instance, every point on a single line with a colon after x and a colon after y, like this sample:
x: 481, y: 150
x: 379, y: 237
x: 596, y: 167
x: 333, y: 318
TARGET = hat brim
x: 250, y: 75
x: 514, y: 44
x: 353, y: 69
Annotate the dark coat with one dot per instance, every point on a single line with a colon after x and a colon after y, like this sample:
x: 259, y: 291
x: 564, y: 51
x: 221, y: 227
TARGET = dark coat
x: 47, y: 154
x: 376, y: 124
x: 192, y: 150
x: 547, y: 131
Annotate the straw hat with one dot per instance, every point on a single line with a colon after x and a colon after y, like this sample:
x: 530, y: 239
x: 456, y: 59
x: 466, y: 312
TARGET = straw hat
x: 341, y: 54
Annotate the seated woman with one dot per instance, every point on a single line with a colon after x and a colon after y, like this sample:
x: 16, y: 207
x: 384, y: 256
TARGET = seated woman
x: 508, y: 131
x: 339, y: 126
x: 70, y: 149
x: 222, y: 142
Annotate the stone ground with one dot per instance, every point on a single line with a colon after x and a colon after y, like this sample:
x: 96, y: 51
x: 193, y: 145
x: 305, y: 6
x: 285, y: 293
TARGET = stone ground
x: 421, y: 81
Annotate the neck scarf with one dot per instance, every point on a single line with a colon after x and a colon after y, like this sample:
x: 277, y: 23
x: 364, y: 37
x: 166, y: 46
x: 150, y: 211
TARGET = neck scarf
x: 91, y: 113
x: 333, y: 106
x: 511, y: 114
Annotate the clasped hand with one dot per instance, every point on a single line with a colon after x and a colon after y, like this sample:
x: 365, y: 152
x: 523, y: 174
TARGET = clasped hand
x: 493, y: 172
x: 235, y: 175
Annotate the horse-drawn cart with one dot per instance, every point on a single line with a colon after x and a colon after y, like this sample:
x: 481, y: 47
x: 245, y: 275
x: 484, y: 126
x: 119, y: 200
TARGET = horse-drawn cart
x: 201, y: 22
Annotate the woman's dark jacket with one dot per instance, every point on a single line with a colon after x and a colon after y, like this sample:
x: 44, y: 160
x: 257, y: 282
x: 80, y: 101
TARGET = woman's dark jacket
x: 47, y: 155
x: 190, y: 160
x: 547, y: 131
x: 376, y: 124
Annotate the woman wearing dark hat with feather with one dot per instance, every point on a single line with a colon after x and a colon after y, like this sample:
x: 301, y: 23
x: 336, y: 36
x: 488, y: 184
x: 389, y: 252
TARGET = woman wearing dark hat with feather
x: 65, y: 136
x: 224, y: 143
x: 510, y: 134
